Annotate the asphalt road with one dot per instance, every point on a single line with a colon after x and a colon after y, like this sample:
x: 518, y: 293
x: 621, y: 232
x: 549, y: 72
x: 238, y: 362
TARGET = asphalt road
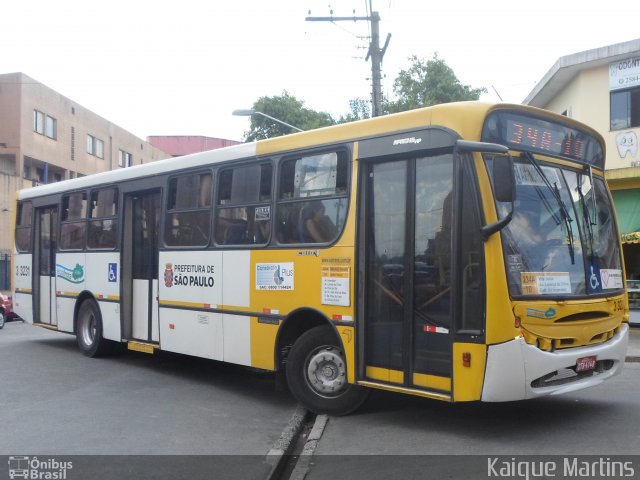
x: 394, y: 436
x: 55, y: 401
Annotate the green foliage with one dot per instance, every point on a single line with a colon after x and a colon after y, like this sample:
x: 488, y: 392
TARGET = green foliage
x: 287, y: 108
x: 360, y: 109
x: 421, y: 85
x: 425, y: 84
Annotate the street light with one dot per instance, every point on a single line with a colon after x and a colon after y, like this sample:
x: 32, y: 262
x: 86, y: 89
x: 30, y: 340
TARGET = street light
x: 251, y: 111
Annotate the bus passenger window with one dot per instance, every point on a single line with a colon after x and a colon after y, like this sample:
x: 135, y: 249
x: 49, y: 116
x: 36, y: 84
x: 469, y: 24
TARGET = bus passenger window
x: 313, y: 199
x: 74, y: 227
x: 188, y: 211
x: 103, y: 213
x: 243, y: 206
x: 23, y: 227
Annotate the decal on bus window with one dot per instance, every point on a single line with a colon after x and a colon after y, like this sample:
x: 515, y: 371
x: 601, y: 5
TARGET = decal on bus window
x: 545, y: 283
x: 611, y: 278
x: 274, y: 276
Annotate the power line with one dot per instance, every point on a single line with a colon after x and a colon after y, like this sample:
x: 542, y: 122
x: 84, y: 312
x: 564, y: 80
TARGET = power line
x: 375, y: 53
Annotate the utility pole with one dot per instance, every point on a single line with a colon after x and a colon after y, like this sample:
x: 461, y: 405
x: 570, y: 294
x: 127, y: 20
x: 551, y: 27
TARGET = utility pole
x: 375, y: 53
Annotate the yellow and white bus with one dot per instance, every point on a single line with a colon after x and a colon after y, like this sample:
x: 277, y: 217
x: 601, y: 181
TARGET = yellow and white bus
x: 460, y: 252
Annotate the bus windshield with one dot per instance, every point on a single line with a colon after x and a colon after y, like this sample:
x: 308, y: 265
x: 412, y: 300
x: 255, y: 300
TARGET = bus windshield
x: 562, y: 237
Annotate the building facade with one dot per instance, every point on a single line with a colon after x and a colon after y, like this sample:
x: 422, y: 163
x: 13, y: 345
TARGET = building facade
x: 178, y: 145
x: 601, y: 87
x: 46, y: 137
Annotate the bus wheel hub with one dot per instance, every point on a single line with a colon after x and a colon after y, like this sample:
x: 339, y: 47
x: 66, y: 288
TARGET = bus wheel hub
x: 326, y: 371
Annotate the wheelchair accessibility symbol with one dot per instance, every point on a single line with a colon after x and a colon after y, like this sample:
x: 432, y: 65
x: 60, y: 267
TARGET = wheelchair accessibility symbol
x: 593, y: 280
x: 113, y: 272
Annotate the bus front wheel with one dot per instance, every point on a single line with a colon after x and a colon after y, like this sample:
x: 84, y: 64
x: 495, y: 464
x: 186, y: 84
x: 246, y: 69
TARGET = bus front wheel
x: 89, y: 330
x: 317, y: 374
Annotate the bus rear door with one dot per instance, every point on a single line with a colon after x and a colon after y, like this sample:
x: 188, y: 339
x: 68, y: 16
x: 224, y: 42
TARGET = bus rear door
x: 44, y: 256
x: 140, y: 266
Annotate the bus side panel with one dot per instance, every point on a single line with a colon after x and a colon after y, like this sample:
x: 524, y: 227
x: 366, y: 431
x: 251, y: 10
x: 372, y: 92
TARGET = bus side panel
x: 65, y: 308
x: 111, y: 328
x: 103, y: 282
x: 468, y: 378
x: 71, y: 274
x: 237, y: 339
x: 192, y: 333
x: 23, y: 286
x: 190, y: 288
x: 263, y: 340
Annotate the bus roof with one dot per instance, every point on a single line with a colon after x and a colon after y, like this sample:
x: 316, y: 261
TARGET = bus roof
x: 194, y: 160
x: 461, y: 117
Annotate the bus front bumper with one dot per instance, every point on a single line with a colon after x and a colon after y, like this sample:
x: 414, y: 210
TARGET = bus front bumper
x: 518, y: 371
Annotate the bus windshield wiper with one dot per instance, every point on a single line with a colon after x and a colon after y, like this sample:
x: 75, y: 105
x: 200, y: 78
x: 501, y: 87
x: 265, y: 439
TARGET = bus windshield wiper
x: 566, y: 218
x: 585, y: 212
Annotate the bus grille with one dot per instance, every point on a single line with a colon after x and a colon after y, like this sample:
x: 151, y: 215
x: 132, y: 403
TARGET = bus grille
x: 551, y: 344
x: 568, y: 375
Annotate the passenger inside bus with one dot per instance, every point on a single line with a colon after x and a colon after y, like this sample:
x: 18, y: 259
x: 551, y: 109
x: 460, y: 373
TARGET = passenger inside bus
x: 315, y: 226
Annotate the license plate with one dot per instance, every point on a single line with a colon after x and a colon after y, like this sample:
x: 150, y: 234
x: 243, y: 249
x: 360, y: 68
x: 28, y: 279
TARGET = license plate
x: 585, y: 364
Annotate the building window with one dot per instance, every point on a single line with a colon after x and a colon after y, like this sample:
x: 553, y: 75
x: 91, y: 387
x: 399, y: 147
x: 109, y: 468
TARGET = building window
x: 95, y: 146
x: 625, y: 109
x: 125, y: 159
x: 73, y: 143
x: 99, y: 148
x: 51, y: 127
x: 45, y: 125
x: 38, y: 122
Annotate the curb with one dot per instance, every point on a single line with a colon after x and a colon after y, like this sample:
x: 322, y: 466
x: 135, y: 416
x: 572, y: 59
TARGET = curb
x: 304, y: 461
x: 283, y: 445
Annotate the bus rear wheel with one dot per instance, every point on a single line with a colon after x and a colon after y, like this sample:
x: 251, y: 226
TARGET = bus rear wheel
x: 317, y: 374
x: 89, y: 330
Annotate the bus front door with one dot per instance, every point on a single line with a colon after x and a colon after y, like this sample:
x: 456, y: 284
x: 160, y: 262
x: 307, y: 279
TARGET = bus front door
x: 140, y: 266
x: 407, y: 308
x: 44, y: 287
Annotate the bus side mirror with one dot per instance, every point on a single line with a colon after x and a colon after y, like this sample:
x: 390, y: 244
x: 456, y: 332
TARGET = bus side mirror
x: 503, y: 179
x: 504, y: 184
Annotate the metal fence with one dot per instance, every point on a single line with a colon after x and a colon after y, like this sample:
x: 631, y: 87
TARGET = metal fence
x: 5, y: 271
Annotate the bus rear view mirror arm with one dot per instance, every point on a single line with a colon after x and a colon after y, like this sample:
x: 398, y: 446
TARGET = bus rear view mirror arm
x: 503, y: 179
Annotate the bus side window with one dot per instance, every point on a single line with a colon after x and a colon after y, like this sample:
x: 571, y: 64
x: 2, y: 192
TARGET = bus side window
x: 103, y: 214
x: 23, y: 227
x: 313, y: 198
x: 74, y: 227
x: 188, y: 215
x: 243, y: 206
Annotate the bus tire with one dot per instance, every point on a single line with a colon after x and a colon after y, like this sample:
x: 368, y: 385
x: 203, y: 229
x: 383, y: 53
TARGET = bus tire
x: 89, y: 330
x: 317, y: 374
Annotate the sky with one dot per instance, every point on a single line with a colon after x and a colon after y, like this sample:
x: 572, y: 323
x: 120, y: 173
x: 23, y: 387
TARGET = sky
x: 180, y: 68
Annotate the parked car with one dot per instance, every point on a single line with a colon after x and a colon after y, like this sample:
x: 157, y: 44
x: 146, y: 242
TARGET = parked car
x: 6, y: 309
